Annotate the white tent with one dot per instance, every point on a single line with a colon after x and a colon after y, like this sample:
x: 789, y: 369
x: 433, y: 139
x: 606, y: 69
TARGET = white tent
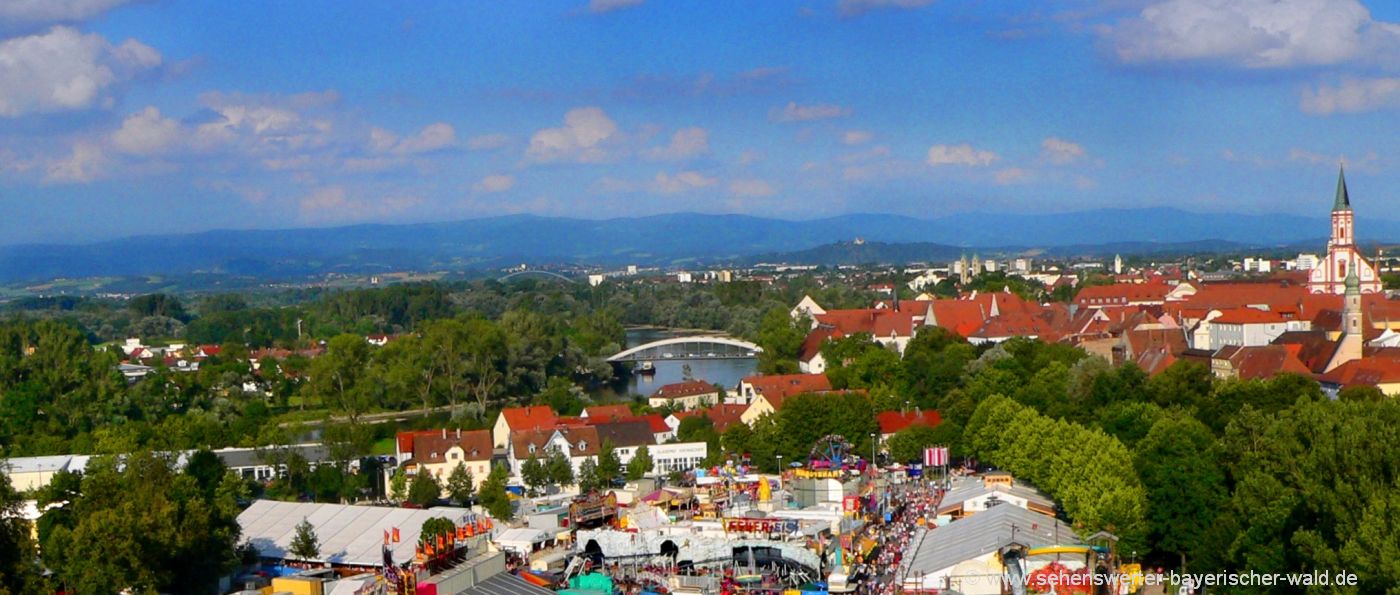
x: 349, y: 535
x: 520, y: 541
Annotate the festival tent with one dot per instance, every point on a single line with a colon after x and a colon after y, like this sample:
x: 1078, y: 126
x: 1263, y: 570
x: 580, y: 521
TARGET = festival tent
x: 349, y: 535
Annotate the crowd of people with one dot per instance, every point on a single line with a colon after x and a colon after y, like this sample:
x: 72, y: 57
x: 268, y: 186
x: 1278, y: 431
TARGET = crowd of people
x: 910, y: 506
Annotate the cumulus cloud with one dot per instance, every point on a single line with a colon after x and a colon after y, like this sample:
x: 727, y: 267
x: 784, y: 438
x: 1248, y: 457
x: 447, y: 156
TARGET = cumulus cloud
x: 1011, y: 175
x: 333, y: 204
x: 793, y: 112
x: 433, y: 137
x: 964, y: 154
x: 1252, y: 33
x: 1353, y: 96
x: 39, y: 12
x: 686, y: 143
x: 494, y: 183
x: 63, y: 69
x: 262, y: 125
x: 855, y: 7
x: 601, y: 6
x: 680, y: 182
x: 856, y: 137
x: 751, y: 188
x: 146, y: 133
x: 486, y: 142
x: 583, y: 138
x: 1060, y: 151
x: 85, y: 164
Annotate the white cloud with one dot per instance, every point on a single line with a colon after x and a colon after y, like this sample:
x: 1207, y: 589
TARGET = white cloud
x: 486, y: 142
x: 601, y: 6
x: 686, y: 143
x: 1352, y: 96
x: 751, y: 188
x: 1060, y: 151
x: 63, y: 69
x: 963, y: 154
x: 855, y: 7
x: 792, y: 112
x: 333, y: 204
x: 494, y: 183
x: 433, y: 137
x: 146, y: 133
x: 856, y: 137
x: 258, y: 125
x: 583, y: 138
x: 32, y: 12
x: 681, y: 182
x: 1011, y: 175
x: 1252, y: 33
x: 85, y: 164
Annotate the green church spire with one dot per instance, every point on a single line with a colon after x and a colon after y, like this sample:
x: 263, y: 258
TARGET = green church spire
x: 1343, y: 201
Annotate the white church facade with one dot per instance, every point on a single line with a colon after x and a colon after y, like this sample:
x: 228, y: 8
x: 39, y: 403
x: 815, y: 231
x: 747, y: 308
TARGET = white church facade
x: 1343, y: 257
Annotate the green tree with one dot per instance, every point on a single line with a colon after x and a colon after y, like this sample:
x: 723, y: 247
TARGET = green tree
x: 305, y: 545
x: 1178, y: 464
x: 534, y: 474
x: 908, y: 444
x: 588, y: 479
x: 424, y: 489
x: 20, y: 573
x: 560, y: 469
x: 460, y: 484
x: 641, y: 463
x: 434, y: 527
x: 781, y: 337
x: 338, y: 377
x: 493, y: 495
x: 143, y: 526
x: 609, y: 466
x: 398, y: 486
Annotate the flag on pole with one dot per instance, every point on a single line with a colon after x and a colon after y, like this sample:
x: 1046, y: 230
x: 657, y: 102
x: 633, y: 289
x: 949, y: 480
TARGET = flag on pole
x: 396, y: 534
x: 935, y: 456
x: 386, y: 537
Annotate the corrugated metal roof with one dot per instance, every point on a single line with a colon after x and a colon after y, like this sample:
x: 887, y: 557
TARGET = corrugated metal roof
x: 506, y: 584
x: 983, y: 533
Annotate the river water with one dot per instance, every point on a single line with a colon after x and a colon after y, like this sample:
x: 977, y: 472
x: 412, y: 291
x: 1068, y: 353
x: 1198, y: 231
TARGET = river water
x: 724, y: 372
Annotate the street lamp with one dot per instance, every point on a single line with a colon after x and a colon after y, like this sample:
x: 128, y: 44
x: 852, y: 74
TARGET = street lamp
x: 873, y: 445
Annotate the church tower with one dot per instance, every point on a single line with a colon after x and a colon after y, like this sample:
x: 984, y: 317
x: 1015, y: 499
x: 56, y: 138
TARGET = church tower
x: 1343, y: 256
x: 1350, y: 346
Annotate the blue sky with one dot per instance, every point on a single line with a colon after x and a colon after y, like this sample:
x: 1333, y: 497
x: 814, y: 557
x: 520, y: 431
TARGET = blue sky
x: 120, y: 118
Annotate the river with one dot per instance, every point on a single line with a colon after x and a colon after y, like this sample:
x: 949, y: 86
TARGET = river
x: 724, y: 372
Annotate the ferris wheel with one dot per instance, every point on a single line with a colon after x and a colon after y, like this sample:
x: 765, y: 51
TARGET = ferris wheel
x: 830, y: 452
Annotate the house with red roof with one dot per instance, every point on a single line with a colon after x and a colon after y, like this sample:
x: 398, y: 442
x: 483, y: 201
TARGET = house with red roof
x: 1248, y: 327
x: 606, y: 412
x: 891, y: 328
x: 439, y: 452
x: 1256, y: 362
x: 781, y: 385
x: 685, y: 395
x: 809, y: 357
x: 517, y: 419
x: 1123, y: 294
x: 1380, y: 372
x: 722, y: 416
x: 894, y: 421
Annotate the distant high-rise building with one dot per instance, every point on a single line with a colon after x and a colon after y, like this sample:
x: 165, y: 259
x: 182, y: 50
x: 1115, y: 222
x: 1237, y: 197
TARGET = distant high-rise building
x: 1343, y: 257
x: 1117, y: 264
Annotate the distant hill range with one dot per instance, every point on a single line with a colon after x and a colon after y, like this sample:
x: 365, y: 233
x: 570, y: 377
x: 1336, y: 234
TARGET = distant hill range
x: 674, y: 239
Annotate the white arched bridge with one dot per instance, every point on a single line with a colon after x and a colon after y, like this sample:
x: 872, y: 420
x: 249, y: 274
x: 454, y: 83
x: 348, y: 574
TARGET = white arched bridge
x: 702, y: 347
x: 538, y: 273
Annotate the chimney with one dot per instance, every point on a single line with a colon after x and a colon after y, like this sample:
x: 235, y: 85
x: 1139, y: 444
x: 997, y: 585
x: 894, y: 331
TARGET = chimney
x: 444, y: 433
x: 459, y: 433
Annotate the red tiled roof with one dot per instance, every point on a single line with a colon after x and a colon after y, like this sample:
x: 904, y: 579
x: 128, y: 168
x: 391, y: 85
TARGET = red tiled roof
x: 683, y: 389
x: 1248, y: 316
x: 1122, y: 294
x: 607, y: 412
x: 894, y: 421
x: 876, y: 321
x: 529, y: 418
x: 1367, y: 371
x: 962, y: 317
x: 812, y: 345
x: 1264, y: 361
x: 722, y: 415
x: 782, y: 385
x: 430, y: 447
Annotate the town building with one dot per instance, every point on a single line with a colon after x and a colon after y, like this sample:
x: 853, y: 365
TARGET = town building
x: 690, y: 394
x: 1343, y: 257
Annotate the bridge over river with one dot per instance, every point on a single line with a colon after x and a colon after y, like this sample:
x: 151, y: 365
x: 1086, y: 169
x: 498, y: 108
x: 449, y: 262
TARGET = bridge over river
x: 689, y: 348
